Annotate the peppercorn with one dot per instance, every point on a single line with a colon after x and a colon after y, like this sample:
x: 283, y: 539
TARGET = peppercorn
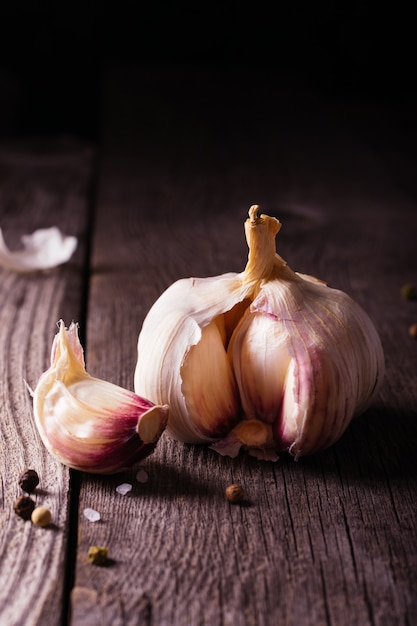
x: 412, y: 331
x: 235, y: 493
x: 23, y: 507
x: 41, y: 516
x: 409, y: 292
x: 97, y: 555
x: 28, y: 480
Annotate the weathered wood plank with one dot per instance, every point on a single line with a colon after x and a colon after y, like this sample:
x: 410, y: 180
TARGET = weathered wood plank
x: 330, y: 539
x: 42, y: 184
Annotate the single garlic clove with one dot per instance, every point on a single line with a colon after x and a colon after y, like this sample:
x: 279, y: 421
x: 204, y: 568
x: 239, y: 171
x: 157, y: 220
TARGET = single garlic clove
x: 259, y: 353
x: 210, y: 393
x: 182, y: 359
x: 87, y: 423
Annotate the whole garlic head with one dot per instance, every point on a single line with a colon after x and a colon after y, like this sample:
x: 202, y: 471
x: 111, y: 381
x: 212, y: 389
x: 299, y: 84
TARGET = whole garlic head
x: 268, y: 359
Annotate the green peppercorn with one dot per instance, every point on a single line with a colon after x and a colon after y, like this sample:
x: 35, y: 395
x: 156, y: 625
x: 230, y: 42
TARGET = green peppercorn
x: 28, y: 480
x: 409, y: 292
x: 97, y: 555
x: 23, y: 507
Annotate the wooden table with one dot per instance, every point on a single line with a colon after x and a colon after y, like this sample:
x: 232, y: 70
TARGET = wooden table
x: 183, y: 153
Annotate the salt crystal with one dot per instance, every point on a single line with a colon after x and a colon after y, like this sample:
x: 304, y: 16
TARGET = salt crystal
x: 142, y: 476
x: 124, y: 488
x: 91, y: 515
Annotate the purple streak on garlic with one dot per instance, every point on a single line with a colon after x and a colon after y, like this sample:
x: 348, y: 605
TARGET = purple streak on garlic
x: 87, y: 423
x: 268, y: 359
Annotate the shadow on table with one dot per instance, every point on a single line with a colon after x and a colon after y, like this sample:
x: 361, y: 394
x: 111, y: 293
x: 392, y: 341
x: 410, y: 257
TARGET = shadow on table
x: 379, y: 445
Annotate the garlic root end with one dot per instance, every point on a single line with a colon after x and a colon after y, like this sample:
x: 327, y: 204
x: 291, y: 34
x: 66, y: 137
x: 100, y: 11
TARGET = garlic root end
x: 254, y: 433
x: 152, y: 423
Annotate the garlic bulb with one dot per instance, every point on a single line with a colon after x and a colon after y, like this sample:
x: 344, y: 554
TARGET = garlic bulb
x: 268, y: 359
x: 90, y: 424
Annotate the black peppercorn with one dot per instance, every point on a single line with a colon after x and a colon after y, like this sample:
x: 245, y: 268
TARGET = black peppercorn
x: 23, y: 507
x: 29, y: 480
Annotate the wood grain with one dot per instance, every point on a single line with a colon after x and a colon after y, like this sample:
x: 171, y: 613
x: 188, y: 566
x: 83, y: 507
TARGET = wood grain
x: 327, y: 540
x: 42, y: 184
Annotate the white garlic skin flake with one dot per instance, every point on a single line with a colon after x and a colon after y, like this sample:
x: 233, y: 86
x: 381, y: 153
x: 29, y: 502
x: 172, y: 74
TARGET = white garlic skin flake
x: 268, y: 359
x: 90, y: 424
x: 43, y: 249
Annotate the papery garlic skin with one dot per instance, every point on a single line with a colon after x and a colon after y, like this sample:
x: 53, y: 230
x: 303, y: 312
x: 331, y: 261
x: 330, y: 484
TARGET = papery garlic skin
x: 175, y: 339
x: 90, y: 424
x: 303, y: 358
x: 44, y: 249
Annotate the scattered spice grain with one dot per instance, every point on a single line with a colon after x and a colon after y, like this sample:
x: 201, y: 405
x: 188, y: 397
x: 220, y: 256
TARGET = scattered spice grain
x: 97, y: 555
x: 412, y: 331
x: 41, y: 516
x: 409, y: 292
x: 91, y: 515
x: 124, y: 488
x: 142, y: 476
x: 23, y: 507
x: 235, y: 493
x: 28, y: 480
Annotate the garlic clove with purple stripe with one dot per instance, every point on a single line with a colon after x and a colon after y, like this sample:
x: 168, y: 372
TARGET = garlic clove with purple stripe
x: 268, y: 359
x: 317, y: 360
x: 90, y: 424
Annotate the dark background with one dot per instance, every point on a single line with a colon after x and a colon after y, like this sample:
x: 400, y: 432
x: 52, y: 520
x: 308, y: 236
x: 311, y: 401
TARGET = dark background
x: 52, y: 57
